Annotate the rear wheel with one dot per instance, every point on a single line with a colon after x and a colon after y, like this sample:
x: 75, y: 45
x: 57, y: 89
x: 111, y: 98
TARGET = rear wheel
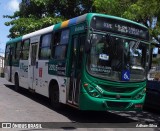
x: 54, y: 97
x: 16, y: 80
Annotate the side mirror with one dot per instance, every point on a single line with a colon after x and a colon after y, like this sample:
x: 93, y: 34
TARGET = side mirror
x: 87, y: 46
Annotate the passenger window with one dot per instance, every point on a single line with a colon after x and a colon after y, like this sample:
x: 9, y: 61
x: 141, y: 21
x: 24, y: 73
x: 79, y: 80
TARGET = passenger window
x: 7, y: 54
x: 25, y: 50
x: 61, y: 39
x: 45, y: 46
x: 17, y: 51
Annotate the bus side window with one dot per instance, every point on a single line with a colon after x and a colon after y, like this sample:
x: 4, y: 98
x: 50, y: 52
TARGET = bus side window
x: 17, y: 50
x: 13, y: 51
x: 82, y: 41
x: 25, y: 49
x: 7, y: 55
x: 45, y: 46
x: 56, y: 42
x: 60, y: 44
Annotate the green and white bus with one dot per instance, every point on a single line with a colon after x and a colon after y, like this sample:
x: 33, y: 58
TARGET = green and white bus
x: 91, y: 62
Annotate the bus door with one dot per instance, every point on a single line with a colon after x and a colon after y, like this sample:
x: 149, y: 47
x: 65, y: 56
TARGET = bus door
x: 32, y: 65
x: 75, y: 76
x: 10, y: 63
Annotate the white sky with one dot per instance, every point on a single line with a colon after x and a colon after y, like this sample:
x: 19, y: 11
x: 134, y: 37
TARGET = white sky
x: 7, y: 7
x: 13, y: 5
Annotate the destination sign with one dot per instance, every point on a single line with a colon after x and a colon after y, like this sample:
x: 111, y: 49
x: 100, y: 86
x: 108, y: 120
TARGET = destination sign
x: 118, y: 26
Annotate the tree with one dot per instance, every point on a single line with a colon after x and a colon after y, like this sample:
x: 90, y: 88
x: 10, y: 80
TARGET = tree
x: 41, y: 13
x: 138, y: 10
x: 32, y: 16
x: 37, y: 14
x: 112, y: 7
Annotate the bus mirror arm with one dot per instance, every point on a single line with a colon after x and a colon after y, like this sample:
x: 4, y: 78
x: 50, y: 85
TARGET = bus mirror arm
x: 87, y: 46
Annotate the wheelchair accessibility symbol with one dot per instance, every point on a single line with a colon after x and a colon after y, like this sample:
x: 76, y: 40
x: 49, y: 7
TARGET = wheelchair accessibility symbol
x: 125, y: 75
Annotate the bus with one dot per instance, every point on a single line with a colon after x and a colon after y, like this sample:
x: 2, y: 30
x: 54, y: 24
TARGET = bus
x: 91, y: 62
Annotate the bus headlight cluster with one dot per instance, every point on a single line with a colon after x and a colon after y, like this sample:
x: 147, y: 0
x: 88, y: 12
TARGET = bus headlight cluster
x: 92, y: 91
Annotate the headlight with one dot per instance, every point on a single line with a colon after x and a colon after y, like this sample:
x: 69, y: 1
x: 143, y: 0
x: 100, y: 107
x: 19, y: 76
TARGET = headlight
x: 91, y: 90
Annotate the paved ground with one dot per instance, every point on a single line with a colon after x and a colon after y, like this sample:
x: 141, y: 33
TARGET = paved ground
x: 26, y: 107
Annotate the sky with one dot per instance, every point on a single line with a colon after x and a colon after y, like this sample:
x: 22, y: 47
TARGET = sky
x: 7, y: 7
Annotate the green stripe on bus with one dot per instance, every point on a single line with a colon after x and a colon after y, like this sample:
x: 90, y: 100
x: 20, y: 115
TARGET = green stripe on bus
x: 14, y: 40
x: 57, y: 26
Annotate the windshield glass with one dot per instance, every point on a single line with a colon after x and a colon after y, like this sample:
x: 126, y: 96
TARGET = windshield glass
x: 117, y: 59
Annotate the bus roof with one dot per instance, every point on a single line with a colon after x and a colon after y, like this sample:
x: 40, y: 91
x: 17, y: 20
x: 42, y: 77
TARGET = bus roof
x: 69, y: 23
x: 14, y: 40
x: 117, y: 18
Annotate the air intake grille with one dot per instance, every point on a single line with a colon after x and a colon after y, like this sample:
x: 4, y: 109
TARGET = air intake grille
x: 112, y: 104
x: 118, y: 89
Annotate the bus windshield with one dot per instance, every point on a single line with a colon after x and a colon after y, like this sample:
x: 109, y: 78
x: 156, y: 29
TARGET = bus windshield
x: 108, y: 59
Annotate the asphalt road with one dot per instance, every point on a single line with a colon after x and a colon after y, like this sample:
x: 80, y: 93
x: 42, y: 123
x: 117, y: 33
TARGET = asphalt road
x: 26, y: 107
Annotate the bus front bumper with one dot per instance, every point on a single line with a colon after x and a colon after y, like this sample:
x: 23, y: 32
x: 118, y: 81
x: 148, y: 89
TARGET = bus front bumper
x: 88, y: 102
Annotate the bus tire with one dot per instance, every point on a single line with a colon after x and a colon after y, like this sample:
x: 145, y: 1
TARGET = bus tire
x: 16, y: 81
x: 54, y: 97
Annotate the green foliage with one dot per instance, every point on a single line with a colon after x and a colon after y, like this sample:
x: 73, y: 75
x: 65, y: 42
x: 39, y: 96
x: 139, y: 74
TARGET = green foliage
x: 137, y: 10
x: 23, y: 26
x: 112, y: 7
x: 37, y: 14
x: 156, y: 61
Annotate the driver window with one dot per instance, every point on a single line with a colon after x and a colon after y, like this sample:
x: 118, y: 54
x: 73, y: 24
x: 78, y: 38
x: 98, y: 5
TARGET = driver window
x: 100, y: 51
